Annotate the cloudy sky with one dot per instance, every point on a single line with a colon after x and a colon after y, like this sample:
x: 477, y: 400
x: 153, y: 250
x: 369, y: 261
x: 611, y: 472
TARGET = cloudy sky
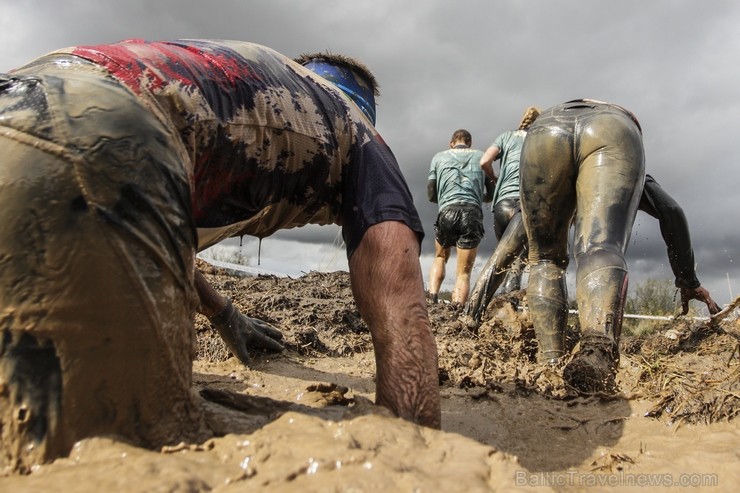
x: 445, y: 65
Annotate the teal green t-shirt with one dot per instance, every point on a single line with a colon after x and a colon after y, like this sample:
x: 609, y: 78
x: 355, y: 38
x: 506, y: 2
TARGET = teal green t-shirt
x: 510, y: 144
x: 460, y: 179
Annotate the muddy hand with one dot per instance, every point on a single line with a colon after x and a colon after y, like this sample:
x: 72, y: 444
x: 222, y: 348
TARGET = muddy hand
x: 700, y: 294
x: 240, y: 332
x: 267, y: 330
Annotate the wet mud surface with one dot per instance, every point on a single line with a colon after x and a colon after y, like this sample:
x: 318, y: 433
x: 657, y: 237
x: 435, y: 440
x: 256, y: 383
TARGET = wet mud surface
x: 303, y: 420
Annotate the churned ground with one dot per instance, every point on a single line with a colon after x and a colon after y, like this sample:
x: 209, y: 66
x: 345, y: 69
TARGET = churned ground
x: 303, y: 420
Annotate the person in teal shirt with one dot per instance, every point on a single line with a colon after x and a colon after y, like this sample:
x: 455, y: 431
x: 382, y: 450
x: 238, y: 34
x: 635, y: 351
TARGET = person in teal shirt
x: 507, y: 147
x: 459, y: 187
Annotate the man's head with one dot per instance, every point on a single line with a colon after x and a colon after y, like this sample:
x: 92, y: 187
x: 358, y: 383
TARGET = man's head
x: 461, y: 137
x: 351, y: 76
x: 530, y: 115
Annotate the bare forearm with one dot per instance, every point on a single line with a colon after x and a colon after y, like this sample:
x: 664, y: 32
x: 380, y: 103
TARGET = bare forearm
x: 486, y: 162
x: 388, y: 287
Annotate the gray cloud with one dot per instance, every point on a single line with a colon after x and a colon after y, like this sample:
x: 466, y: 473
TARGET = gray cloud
x: 477, y: 65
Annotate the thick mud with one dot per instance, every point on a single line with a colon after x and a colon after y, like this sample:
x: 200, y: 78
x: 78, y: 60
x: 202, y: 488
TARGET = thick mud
x: 303, y: 420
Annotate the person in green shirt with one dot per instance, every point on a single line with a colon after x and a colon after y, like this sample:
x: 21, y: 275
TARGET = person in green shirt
x: 459, y: 187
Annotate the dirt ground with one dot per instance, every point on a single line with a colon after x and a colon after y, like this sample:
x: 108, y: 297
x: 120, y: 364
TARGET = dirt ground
x: 303, y: 420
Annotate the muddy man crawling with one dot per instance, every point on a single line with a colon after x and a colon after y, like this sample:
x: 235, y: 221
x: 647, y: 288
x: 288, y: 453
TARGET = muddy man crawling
x: 119, y: 162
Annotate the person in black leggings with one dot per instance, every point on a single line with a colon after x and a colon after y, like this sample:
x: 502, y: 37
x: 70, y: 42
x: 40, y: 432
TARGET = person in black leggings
x: 593, y: 182
x: 656, y: 202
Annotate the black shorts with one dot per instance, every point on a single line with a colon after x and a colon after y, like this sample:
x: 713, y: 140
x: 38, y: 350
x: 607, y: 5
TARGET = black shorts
x: 460, y: 225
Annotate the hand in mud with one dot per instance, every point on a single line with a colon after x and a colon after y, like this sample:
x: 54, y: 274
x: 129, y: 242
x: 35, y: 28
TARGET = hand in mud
x: 700, y: 294
x: 240, y: 332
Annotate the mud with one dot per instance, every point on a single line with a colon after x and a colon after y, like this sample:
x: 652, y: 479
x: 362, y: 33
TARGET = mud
x: 303, y: 420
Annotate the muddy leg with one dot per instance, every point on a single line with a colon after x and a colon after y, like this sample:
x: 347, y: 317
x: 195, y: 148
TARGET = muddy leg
x: 548, y: 302
x: 513, y: 280
x: 601, y: 294
x: 509, y: 249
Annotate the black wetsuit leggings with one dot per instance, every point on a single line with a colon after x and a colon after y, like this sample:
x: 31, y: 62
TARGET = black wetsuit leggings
x: 582, y: 163
x: 503, y: 213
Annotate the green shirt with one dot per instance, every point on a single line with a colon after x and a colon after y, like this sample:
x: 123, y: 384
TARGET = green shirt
x: 459, y: 177
x: 510, y: 145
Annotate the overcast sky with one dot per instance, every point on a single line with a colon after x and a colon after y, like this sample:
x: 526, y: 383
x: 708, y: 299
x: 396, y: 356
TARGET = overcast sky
x: 445, y: 65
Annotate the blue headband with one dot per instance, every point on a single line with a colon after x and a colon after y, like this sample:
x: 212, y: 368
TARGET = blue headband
x: 346, y: 80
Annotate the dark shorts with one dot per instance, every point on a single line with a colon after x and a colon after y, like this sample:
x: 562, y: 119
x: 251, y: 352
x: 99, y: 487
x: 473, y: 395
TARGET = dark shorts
x: 98, y: 249
x: 460, y: 225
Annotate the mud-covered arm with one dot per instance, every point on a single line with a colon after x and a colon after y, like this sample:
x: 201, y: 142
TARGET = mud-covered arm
x: 432, y: 182
x: 432, y: 191
x: 388, y: 287
x: 238, y: 331
x: 675, y: 231
x: 490, y: 188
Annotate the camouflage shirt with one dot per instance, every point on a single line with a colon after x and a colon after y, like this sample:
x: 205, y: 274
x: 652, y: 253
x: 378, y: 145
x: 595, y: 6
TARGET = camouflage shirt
x: 271, y: 145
